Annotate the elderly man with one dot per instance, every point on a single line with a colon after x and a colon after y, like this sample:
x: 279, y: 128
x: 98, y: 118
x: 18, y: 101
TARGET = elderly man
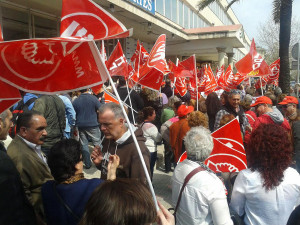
x: 268, y: 114
x: 203, y: 199
x: 289, y: 106
x: 233, y: 107
x: 25, y: 152
x: 14, y: 205
x: 118, y: 140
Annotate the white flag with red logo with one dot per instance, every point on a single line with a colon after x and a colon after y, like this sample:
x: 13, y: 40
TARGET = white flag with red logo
x: 228, y: 154
x: 86, y: 19
x: 253, y: 64
x: 51, y: 65
x: 152, y: 72
x: 210, y: 84
x: 117, y: 63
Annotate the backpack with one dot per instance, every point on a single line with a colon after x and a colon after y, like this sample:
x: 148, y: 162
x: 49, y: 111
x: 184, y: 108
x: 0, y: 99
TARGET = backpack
x: 21, y: 107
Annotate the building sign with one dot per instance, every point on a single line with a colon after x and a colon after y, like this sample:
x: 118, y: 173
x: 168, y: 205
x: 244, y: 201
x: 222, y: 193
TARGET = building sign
x: 148, y: 5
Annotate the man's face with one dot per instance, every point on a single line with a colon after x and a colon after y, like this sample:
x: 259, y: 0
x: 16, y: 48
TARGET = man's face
x: 260, y: 109
x: 5, y: 125
x: 112, y: 128
x: 289, y: 109
x: 234, y: 101
x: 36, y: 132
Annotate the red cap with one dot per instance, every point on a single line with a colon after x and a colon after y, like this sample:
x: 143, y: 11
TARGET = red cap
x: 262, y: 100
x: 183, y: 110
x: 289, y: 100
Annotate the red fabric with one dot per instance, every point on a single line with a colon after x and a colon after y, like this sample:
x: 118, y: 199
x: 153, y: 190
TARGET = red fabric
x: 266, y: 119
x: 251, y: 116
x: 210, y: 84
x: 1, y: 36
x: 88, y: 20
x: 117, y: 63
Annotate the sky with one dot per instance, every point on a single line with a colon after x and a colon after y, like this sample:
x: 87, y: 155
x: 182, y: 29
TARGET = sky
x: 253, y: 12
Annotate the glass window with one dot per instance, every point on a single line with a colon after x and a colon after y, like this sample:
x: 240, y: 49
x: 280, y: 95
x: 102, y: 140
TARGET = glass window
x: 168, y: 9
x: 191, y: 19
x: 14, y: 24
x: 160, y: 6
x: 44, y: 27
x: 186, y: 17
x: 180, y: 13
x: 174, y: 11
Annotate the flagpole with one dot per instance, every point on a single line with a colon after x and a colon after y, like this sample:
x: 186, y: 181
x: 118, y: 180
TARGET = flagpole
x: 130, y: 102
x: 131, y: 131
x: 262, y: 92
x: 196, y: 82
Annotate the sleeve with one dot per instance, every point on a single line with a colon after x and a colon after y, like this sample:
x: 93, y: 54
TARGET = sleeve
x: 238, y: 197
x: 70, y: 111
x: 155, y: 135
x: 219, y: 116
x: 40, y: 106
x: 97, y: 103
x: 137, y: 170
x: 220, y: 212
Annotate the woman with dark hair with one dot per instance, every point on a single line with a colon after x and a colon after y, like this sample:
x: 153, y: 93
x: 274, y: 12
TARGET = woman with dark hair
x: 269, y: 190
x: 213, y: 105
x: 151, y: 134
x: 64, y: 199
x: 124, y: 202
x: 224, y: 98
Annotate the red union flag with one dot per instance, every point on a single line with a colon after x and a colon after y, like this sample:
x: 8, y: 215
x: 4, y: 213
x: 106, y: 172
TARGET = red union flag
x: 152, y: 72
x: 228, y: 154
x: 117, y: 63
x: 140, y: 55
x: 51, y: 65
x: 109, y: 98
x: 252, y: 64
x: 180, y: 86
x: 8, y: 96
x: 275, y: 68
x: 211, y: 83
x: 189, y: 67
x: 86, y: 19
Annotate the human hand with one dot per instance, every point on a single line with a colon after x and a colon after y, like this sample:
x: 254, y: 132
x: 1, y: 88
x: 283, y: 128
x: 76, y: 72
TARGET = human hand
x: 249, y: 128
x: 113, y: 163
x: 96, y: 155
x: 164, y: 217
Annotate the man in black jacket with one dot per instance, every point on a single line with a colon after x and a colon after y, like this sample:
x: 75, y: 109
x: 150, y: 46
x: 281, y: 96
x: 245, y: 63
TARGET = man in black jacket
x: 14, y: 205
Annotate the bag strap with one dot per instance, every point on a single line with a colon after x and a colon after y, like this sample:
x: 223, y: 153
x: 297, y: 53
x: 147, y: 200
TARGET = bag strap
x: 186, y: 180
x: 64, y: 204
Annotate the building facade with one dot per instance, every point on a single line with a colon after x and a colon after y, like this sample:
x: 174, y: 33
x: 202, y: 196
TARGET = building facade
x: 213, y: 34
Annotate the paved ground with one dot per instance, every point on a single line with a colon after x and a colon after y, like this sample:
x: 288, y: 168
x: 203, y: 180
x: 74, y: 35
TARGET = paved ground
x: 161, y: 180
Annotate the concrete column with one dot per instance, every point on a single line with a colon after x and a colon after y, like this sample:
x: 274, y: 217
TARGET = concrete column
x: 221, y: 53
x: 230, y: 58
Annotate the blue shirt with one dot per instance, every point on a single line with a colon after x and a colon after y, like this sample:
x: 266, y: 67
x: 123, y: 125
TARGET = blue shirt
x: 70, y: 113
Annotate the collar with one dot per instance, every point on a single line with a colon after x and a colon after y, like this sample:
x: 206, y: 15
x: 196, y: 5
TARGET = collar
x: 126, y: 135
x: 30, y: 144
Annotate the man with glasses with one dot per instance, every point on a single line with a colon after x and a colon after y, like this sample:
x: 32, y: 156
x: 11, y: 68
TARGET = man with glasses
x: 25, y: 152
x: 118, y: 140
x: 267, y: 114
x: 289, y: 106
x: 233, y: 107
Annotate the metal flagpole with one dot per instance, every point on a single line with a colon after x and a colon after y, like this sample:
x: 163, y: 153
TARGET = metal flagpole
x: 102, y: 67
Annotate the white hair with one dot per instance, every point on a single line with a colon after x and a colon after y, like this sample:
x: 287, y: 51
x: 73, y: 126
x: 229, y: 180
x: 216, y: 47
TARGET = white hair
x: 198, y: 143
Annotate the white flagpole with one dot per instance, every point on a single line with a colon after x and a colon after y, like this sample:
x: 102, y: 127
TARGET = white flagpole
x: 130, y: 103
x: 102, y: 67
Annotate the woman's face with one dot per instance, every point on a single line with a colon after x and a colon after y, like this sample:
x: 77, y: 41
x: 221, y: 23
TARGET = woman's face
x: 222, y: 99
x: 152, y: 117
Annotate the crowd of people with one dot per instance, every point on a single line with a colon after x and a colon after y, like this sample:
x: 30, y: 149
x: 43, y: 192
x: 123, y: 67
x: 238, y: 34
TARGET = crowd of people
x: 46, y: 148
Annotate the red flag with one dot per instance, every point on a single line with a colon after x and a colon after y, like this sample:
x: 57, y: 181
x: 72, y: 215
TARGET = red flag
x: 152, y: 72
x: 52, y: 65
x: 252, y: 64
x: 180, y: 86
x: 228, y: 154
x: 109, y: 98
x: 275, y: 69
x: 220, y: 73
x: 117, y: 63
x: 210, y: 84
x: 8, y: 96
x: 86, y: 19
x: 237, y: 79
x: 140, y: 55
x: 188, y: 67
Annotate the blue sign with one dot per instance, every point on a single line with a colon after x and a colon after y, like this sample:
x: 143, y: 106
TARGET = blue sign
x: 148, y: 5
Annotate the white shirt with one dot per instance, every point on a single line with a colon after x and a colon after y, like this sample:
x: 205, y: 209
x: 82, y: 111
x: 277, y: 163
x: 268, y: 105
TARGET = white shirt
x: 203, y: 200
x: 36, y: 148
x: 271, y: 207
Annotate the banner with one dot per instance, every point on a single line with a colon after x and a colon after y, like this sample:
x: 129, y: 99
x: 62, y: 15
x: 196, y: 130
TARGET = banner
x: 152, y: 72
x: 51, y: 65
x: 228, y: 154
x: 253, y: 64
x: 86, y: 19
x: 117, y: 63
